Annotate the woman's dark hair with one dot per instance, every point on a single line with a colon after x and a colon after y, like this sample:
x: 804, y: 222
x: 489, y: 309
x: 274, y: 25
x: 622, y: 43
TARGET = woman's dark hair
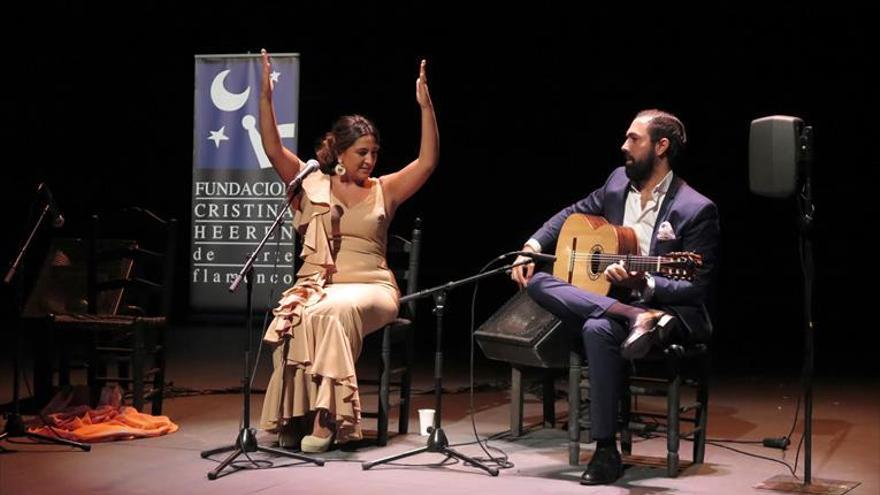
x: 346, y: 130
x: 665, y: 125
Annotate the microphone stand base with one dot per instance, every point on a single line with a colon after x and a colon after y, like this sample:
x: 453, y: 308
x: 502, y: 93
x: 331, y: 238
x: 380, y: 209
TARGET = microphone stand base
x: 247, y: 442
x: 15, y: 429
x: 438, y: 444
x: 790, y: 484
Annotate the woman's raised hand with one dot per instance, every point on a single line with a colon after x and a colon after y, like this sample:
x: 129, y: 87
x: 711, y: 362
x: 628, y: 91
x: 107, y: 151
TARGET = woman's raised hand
x: 267, y: 86
x: 422, y: 94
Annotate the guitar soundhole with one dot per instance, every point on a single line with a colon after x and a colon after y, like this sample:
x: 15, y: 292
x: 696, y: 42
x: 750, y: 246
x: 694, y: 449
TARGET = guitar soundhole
x: 595, y: 264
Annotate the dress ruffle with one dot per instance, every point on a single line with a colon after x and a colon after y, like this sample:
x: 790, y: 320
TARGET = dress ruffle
x: 316, y: 255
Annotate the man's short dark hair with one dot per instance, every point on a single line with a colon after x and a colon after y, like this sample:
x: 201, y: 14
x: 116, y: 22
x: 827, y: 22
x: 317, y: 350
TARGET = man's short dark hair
x: 665, y: 125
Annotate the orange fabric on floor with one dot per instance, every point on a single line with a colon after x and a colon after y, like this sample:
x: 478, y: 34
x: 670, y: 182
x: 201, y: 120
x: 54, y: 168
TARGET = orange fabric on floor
x: 104, y: 424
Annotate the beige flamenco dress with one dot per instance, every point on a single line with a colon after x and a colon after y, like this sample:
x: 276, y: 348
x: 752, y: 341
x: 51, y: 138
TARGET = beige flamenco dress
x: 343, y: 292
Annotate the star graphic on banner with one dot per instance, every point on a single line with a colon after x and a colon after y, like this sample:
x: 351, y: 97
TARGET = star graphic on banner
x: 275, y: 75
x: 218, y: 136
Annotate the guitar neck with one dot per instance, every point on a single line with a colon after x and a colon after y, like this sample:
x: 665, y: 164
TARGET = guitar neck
x: 634, y: 263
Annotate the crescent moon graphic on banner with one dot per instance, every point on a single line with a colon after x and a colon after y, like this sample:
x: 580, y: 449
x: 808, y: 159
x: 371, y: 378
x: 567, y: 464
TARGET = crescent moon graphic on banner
x: 223, y: 99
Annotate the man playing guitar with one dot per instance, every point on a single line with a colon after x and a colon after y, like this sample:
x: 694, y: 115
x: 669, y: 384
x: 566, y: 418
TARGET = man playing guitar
x: 667, y: 218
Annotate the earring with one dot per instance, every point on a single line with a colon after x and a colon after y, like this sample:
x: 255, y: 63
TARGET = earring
x: 339, y: 169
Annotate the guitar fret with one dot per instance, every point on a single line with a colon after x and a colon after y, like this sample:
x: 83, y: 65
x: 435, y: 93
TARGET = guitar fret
x: 633, y: 262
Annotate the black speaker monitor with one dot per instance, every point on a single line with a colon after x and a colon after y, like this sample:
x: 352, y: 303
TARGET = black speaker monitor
x: 774, y: 155
x: 521, y: 332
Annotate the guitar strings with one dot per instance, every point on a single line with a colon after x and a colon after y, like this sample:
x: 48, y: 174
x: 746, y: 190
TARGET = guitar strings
x: 651, y: 260
x: 634, y: 261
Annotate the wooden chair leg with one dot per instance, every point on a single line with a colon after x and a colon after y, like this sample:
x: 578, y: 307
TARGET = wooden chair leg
x: 702, y: 414
x: 63, y: 362
x: 158, y: 394
x: 673, y: 409
x: 123, y: 371
x: 137, y: 367
x: 93, y: 370
x: 406, y: 384
x: 548, y: 398
x: 45, y: 350
x: 626, y: 415
x: 384, y: 387
x: 574, y: 408
x: 586, y: 420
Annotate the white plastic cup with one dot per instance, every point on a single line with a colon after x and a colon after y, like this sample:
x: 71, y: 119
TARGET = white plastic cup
x: 426, y: 420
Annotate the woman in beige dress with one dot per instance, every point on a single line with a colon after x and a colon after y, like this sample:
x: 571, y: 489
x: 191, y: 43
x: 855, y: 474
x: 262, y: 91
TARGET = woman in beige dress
x: 344, y: 290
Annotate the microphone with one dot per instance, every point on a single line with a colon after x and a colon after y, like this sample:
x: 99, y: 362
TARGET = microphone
x: 311, y: 166
x: 54, y: 212
x: 534, y: 256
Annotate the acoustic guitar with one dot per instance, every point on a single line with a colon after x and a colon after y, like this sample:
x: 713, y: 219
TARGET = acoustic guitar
x: 587, y: 244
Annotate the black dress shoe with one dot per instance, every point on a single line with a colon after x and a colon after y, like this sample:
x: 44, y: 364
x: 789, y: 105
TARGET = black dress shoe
x: 650, y: 328
x: 604, y: 468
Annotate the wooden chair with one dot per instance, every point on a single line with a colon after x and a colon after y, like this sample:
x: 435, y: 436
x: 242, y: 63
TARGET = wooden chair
x: 403, y: 258
x: 664, y: 372
x: 131, y: 256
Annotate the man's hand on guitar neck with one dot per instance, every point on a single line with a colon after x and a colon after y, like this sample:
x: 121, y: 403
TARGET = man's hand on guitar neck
x: 523, y: 273
x: 617, y: 274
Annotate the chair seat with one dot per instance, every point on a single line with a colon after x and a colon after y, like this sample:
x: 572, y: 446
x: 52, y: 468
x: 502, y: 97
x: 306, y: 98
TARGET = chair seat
x: 685, y: 350
x: 398, y: 330
x: 399, y: 324
x: 86, y: 321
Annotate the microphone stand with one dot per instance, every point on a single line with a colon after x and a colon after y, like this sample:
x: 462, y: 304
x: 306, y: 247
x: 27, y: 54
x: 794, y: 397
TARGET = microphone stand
x: 805, y: 225
x: 15, y: 427
x: 437, y: 441
x: 246, y: 441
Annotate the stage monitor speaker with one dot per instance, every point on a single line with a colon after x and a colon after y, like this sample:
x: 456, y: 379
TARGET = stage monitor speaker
x: 774, y: 154
x: 521, y: 332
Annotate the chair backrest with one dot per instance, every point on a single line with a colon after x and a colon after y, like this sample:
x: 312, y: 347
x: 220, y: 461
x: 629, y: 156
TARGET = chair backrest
x: 61, y: 284
x: 148, y: 242
x: 403, y: 259
x: 710, y: 327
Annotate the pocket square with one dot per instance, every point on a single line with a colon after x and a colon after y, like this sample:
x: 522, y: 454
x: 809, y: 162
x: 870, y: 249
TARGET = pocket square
x: 665, y: 232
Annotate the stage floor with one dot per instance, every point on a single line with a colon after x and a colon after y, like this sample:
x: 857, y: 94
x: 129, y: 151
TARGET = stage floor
x: 846, y: 439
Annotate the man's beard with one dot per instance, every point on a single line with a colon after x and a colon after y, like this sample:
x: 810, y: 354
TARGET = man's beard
x: 640, y: 170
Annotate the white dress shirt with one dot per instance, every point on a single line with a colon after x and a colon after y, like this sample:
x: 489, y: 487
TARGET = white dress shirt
x: 640, y: 219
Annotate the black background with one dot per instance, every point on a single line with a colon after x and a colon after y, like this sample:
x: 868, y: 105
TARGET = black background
x: 532, y: 105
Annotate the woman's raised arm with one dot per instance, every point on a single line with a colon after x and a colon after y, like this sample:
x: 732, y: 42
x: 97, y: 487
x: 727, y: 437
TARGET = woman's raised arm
x: 400, y: 185
x: 285, y: 162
